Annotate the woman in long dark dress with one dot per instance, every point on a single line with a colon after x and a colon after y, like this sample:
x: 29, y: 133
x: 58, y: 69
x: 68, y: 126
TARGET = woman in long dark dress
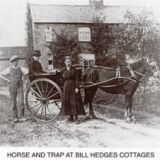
x: 72, y: 101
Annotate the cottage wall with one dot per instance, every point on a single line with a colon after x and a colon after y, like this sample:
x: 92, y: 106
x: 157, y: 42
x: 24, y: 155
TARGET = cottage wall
x: 40, y: 39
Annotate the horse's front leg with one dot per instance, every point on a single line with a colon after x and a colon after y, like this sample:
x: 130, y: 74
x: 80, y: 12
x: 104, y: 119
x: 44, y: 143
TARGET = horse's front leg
x: 86, y: 103
x: 91, y: 112
x: 89, y: 109
x: 88, y: 99
x: 86, y: 108
x: 92, y: 94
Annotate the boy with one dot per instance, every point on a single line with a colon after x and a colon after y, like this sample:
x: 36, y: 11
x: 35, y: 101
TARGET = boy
x: 13, y: 75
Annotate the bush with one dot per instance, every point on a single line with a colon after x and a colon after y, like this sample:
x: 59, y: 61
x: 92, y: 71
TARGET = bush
x: 64, y: 45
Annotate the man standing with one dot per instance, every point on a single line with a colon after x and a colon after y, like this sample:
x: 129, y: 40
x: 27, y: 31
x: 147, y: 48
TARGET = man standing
x: 13, y: 75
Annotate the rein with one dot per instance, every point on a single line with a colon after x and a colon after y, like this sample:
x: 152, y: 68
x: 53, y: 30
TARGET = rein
x: 108, y: 68
x: 91, y: 84
x: 114, y: 69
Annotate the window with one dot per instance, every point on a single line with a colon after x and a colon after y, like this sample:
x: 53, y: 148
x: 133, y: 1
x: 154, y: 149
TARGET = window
x: 50, y: 62
x: 84, y: 34
x: 48, y: 34
x: 86, y: 59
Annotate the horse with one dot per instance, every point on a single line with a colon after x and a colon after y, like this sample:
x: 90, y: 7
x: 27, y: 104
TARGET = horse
x: 115, y: 80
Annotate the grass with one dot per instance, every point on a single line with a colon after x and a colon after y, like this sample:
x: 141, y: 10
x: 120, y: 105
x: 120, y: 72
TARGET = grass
x: 11, y: 134
x: 28, y: 133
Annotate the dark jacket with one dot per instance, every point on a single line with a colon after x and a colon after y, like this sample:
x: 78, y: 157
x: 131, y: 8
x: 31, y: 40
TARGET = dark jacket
x: 35, y: 67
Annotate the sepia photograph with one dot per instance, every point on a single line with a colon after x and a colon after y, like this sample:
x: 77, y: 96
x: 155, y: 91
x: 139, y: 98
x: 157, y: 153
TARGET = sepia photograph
x: 80, y: 73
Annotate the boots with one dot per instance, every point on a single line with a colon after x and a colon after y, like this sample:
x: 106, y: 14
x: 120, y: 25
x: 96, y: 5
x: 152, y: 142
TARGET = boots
x: 76, y: 119
x: 70, y: 119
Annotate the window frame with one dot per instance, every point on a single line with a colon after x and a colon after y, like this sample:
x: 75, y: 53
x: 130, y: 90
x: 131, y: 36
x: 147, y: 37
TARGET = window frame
x: 48, y: 34
x: 80, y: 39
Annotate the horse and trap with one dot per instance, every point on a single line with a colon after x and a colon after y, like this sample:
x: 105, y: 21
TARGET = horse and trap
x: 43, y: 96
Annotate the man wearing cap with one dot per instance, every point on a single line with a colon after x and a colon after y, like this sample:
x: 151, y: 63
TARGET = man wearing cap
x: 13, y: 75
x: 35, y: 66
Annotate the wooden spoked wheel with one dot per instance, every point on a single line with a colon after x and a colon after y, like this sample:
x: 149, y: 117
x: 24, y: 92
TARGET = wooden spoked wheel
x: 44, y: 100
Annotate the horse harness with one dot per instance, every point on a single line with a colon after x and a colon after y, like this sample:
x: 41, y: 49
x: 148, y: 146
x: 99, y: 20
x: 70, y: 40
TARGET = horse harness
x: 117, y: 77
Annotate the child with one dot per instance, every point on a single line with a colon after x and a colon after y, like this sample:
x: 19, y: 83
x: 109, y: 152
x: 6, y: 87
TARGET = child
x: 13, y: 75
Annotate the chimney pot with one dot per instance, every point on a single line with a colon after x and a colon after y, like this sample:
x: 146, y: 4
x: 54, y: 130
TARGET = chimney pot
x: 96, y: 4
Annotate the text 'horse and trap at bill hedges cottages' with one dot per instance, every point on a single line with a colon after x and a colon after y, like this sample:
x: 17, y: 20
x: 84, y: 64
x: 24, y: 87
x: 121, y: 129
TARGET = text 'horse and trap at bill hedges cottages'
x: 44, y: 93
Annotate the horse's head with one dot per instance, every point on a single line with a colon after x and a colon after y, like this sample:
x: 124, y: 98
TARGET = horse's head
x: 114, y: 60
x: 143, y: 66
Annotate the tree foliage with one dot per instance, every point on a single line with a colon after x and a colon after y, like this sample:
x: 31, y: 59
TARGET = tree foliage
x: 139, y: 37
x: 101, y: 38
x: 62, y: 46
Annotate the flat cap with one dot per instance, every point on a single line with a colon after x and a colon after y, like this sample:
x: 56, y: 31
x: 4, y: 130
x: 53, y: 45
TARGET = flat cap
x: 14, y: 58
x: 36, y: 53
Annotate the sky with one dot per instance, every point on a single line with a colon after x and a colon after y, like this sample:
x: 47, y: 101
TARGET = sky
x: 13, y: 13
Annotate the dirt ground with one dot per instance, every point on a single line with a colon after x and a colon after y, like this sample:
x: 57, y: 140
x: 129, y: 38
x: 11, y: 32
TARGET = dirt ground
x: 109, y: 130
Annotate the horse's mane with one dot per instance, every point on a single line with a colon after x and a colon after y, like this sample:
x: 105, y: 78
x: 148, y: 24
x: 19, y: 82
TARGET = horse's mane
x: 136, y: 64
x: 114, y: 61
x: 90, y: 75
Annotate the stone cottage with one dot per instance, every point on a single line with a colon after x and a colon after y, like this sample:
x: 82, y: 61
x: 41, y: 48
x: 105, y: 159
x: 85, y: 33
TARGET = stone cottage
x: 47, y: 20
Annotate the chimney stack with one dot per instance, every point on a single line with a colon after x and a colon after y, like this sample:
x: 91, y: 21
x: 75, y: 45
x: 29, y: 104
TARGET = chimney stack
x: 96, y: 4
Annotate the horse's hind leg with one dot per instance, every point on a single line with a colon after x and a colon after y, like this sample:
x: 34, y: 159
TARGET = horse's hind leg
x: 128, y: 109
x: 128, y: 116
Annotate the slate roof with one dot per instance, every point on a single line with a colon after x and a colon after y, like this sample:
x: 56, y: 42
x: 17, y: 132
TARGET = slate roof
x: 77, y: 13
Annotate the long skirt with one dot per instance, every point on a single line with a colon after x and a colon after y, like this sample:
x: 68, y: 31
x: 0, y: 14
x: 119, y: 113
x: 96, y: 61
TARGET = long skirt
x: 71, y: 102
